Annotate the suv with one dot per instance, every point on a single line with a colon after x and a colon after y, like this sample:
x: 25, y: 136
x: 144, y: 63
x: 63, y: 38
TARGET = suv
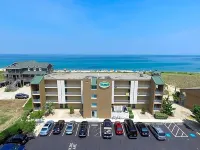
x: 157, y: 132
x: 58, y: 127
x: 21, y: 96
x: 107, y: 129
x: 18, y: 139
x: 130, y: 128
x: 142, y: 129
x: 83, y: 129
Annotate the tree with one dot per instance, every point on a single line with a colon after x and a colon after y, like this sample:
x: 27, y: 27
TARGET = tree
x: 176, y: 97
x: 167, y: 107
x: 71, y: 110
x: 196, y: 112
x: 49, y: 109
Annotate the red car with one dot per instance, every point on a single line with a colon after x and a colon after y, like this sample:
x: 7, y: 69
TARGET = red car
x: 118, y: 128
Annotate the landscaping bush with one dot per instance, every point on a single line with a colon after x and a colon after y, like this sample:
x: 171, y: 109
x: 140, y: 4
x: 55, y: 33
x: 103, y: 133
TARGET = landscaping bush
x: 37, y: 114
x: 131, y: 115
x: 159, y: 115
x: 28, y: 106
x: 129, y: 109
x: 71, y: 110
x: 143, y: 110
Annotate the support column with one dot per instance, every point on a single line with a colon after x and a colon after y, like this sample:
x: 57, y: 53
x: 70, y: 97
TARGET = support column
x: 113, y: 89
x: 132, y: 92
x: 135, y: 92
x: 82, y: 92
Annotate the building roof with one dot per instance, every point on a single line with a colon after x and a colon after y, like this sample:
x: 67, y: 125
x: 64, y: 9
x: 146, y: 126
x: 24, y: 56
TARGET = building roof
x: 37, y: 79
x: 35, y: 72
x: 27, y: 64
x: 114, y: 76
x: 158, y: 80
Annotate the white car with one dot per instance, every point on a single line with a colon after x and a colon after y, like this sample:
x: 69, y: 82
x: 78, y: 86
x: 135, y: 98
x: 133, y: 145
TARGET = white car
x: 70, y: 127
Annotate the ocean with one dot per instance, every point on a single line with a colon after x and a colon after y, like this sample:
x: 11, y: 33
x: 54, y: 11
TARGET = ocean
x: 111, y: 62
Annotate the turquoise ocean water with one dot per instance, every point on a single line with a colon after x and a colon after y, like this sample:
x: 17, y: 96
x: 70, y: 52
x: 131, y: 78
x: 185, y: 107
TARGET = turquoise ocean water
x: 110, y: 62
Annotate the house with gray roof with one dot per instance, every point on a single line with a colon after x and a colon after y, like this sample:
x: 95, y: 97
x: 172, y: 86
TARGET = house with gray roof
x: 23, y: 72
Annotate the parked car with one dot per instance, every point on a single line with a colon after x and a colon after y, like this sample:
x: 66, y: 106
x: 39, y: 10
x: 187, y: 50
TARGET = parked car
x: 47, y: 128
x: 58, y: 127
x: 70, y: 127
x: 130, y: 128
x: 18, y: 139
x: 142, y: 128
x: 21, y: 96
x: 118, y: 128
x: 83, y: 129
x: 157, y: 132
x: 12, y: 146
x: 107, y: 129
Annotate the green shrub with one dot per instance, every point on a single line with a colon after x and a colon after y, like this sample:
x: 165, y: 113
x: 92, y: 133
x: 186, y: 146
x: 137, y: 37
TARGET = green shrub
x: 143, y: 110
x: 129, y: 109
x: 159, y: 115
x: 71, y: 110
x: 131, y: 115
x: 37, y: 114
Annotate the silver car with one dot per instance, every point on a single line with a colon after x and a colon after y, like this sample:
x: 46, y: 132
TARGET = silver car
x: 157, y: 132
x: 70, y: 127
x: 47, y: 128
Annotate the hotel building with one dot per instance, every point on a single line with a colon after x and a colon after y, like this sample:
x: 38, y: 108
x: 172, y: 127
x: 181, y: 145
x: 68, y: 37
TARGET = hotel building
x: 96, y: 93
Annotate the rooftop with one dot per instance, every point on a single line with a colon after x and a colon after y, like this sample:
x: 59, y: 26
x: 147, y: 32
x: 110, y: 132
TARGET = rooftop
x: 115, y: 76
x: 27, y: 64
x: 37, y: 80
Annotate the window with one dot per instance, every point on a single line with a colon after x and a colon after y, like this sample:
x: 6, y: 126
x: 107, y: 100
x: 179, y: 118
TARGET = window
x: 94, y: 105
x: 40, y: 69
x: 94, y: 96
x: 93, y: 87
x: 94, y: 113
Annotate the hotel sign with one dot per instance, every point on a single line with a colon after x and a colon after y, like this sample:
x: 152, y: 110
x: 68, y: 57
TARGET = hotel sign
x: 104, y: 84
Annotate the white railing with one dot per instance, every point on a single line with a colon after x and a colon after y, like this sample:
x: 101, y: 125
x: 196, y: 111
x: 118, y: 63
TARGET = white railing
x: 51, y: 101
x: 121, y: 101
x: 35, y: 92
x: 72, y: 93
x: 156, y: 108
x: 50, y: 85
x: 157, y: 100
x: 142, y: 101
x: 143, y: 93
x: 143, y: 86
x: 159, y: 92
x: 51, y: 93
x: 36, y: 108
x: 73, y: 85
x: 122, y: 86
x: 122, y: 93
x: 73, y: 101
x: 36, y: 100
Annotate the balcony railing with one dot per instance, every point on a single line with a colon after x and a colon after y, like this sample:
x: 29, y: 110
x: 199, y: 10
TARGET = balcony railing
x: 51, y: 93
x: 121, y: 93
x: 72, y: 86
x: 50, y: 85
x: 36, y: 108
x: 158, y: 100
x: 143, y: 86
x: 121, y: 101
x: 158, y: 92
x: 36, y: 100
x: 156, y: 108
x: 122, y: 86
x: 143, y: 94
x: 73, y: 101
x: 51, y: 101
x: 72, y: 93
x: 35, y: 92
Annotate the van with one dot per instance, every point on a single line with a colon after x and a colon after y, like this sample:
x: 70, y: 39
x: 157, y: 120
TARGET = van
x: 130, y: 128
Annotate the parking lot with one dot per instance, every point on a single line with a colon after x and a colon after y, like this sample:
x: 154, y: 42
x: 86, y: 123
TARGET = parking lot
x: 178, y: 138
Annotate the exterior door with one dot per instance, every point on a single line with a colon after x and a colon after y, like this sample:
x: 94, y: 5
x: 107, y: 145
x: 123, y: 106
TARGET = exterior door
x: 94, y: 113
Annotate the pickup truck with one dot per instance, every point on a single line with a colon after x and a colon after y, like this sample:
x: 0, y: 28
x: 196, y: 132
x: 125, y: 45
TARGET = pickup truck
x: 107, y: 129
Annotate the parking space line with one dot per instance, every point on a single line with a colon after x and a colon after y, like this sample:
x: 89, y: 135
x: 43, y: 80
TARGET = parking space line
x: 178, y: 130
x: 51, y: 132
x: 89, y: 130
x: 123, y: 129
x: 77, y: 129
x: 63, y: 132
x: 100, y: 129
x: 173, y: 129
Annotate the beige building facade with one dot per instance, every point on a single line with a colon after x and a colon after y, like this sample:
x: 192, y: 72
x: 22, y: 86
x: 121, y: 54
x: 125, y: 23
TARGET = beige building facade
x: 95, y: 93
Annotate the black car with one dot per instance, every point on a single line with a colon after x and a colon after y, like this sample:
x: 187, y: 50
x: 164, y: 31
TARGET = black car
x: 18, y: 139
x: 130, y: 128
x: 107, y: 129
x: 142, y: 128
x: 21, y: 96
x: 83, y: 129
x: 58, y: 127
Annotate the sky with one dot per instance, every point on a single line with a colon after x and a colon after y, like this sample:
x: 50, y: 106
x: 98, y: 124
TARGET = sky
x: 100, y: 27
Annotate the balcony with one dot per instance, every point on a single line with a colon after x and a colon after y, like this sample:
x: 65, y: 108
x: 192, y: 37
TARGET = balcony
x: 50, y: 85
x: 51, y: 93
x: 122, y: 101
x: 72, y: 86
x: 73, y: 93
x: 143, y: 94
x: 73, y: 101
x: 156, y: 108
x: 159, y: 101
x: 142, y: 86
x: 122, y: 86
x: 51, y: 101
x: 121, y: 94
x: 158, y: 92
x: 142, y: 101
x: 35, y: 92
x: 36, y: 100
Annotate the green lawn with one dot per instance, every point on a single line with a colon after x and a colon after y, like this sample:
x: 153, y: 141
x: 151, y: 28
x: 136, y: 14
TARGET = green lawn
x: 1, y: 76
x: 182, y: 79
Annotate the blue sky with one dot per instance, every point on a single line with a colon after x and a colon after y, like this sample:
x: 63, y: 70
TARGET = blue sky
x: 100, y: 26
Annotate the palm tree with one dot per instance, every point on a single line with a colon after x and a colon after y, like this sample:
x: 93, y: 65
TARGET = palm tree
x: 49, y: 109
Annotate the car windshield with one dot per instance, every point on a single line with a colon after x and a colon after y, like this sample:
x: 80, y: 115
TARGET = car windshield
x: 161, y: 134
x: 44, y: 129
x: 119, y: 129
x: 69, y: 127
x: 107, y: 124
x: 144, y: 129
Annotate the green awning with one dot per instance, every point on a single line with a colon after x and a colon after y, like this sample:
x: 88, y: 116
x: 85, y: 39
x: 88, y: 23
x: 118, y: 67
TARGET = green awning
x: 36, y: 80
x: 158, y: 80
x: 94, y: 81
